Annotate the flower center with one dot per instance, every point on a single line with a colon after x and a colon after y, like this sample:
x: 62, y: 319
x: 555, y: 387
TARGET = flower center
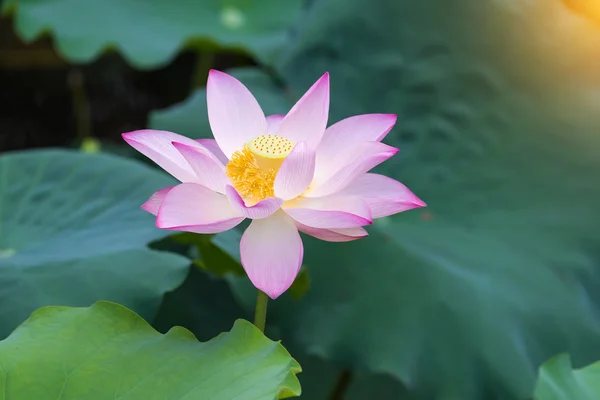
x: 252, y: 170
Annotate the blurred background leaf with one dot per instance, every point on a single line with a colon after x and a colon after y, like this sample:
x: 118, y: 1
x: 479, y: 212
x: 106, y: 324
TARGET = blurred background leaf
x: 136, y: 362
x: 71, y: 232
x: 150, y: 33
x: 558, y: 381
x: 202, y: 304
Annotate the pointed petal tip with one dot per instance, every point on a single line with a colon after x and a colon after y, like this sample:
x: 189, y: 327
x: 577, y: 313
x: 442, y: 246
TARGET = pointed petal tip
x: 364, y: 221
x: 273, y: 294
x: 214, y: 76
x: 214, y: 72
x: 132, y: 135
x: 143, y: 135
x: 152, y: 205
x: 324, y: 79
x: 274, y: 291
x: 128, y: 136
x: 392, y: 119
x: 419, y: 203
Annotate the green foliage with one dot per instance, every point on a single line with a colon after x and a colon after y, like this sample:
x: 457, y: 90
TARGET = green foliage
x: 558, y: 381
x: 150, y: 33
x: 71, y: 233
x: 106, y: 351
x: 203, y: 304
x: 208, y: 256
x: 301, y: 285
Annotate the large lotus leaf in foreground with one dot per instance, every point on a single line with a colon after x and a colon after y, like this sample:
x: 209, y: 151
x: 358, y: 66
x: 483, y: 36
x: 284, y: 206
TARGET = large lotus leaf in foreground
x: 108, y: 352
x: 72, y: 232
x: 150, y: 33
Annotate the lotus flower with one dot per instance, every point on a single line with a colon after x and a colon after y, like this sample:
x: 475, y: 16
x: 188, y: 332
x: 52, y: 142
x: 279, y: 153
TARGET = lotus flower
x: 286, y: 173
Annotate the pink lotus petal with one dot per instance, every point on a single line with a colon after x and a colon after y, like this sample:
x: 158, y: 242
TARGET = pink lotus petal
x: 307, y: 120
x: 209, y: 171
x: 156, y: 145
x: 362, y: 158
x: 344, y: 135
x: 273, y: 122
x: 296, y: 172
x: 271, y: 253
x: 331, y: 212
x: 194, y: 208
x: 234, y: 114
x: 262, y: 209
x: 212, y: 146
x: 385, y: 196
x: 334, y: 235
x: 153, y: 203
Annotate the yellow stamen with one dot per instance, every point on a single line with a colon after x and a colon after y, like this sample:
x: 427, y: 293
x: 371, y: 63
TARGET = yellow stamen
x: 252, y: 170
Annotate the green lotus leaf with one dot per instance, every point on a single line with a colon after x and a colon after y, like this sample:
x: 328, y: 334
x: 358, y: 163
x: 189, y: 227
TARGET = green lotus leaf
x: 72, y: 232
x: 559, y: 381
x: 107, y: 351
x: 150, y: 33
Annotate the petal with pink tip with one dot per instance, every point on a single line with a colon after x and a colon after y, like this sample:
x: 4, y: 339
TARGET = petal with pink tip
x: 260, y: 210
x: 334, y: 235
x: 194, y: 208
x: 331, y: 212
x: 234, y: 114
x: 156, y: 145
x: 153, y: 203
x: 362, y: 158
x: 342, y: 136
x: 212, y: 146
x: 385, y: 196
x: 307, y: 120
x: 271, y: 252
x: 209, y: 171
x: 296, y: 172
x: 273, y: 122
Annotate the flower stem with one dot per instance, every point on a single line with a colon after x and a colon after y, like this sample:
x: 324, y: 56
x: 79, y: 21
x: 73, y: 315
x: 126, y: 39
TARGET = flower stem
x: 341, y: 386
x: 260, y: 313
